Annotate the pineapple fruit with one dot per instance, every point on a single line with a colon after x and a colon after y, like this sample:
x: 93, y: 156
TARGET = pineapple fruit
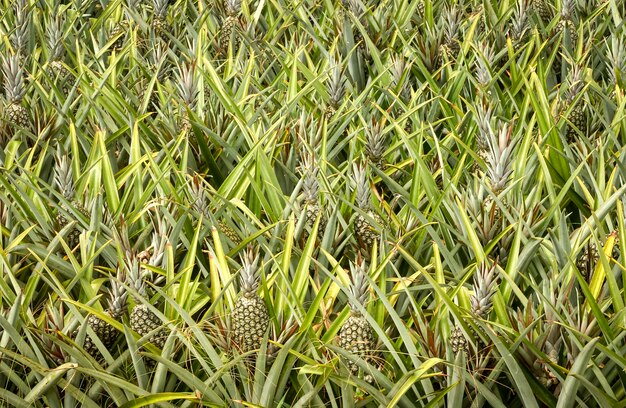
x: 65, y: 183
x: 356, y: 334
x: 230, y: 24
x: 105, y: 331
x: 142, y: 320
x: 577, y: 116
x: 365, y: 231
x: 310, y: 191
x: 159, y: 18
x: 566, y: 25
x: 250, y: 317
x: 458, y: 342
x: 542, y: 10
x: 56, y: 70
x: 15, y: 90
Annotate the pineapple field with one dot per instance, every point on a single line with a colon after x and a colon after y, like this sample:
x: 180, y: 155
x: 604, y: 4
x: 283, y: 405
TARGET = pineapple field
x: 281, y: 203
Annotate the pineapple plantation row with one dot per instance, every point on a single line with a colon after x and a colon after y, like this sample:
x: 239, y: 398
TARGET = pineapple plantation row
x: 300, y: 203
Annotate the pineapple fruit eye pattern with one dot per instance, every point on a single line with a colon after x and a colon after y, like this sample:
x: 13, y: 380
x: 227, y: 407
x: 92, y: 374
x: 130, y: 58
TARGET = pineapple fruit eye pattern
x: 301, y: 203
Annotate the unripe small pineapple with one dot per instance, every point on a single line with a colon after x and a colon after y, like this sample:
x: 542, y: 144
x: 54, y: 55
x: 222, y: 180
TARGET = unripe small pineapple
x: 17, y: 115
x: 61, y: 75
x: 356, y: 334
x: 458, y: 343
x: 119, y: 34
x: 311, y: 197
x: 366, y: 232
x: 229, y: 232
x: 64, y: 181
x: 250, y: 318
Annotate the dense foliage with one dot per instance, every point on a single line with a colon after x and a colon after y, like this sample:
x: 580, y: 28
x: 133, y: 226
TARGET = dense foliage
x: 300, y: 203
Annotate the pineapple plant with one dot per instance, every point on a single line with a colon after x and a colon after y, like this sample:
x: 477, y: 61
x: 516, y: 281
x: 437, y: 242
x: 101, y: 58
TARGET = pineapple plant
x: 15, y: 90
x: 230, y: 24
x: 250, y: 317
x: 56, y: 69
x: 104, y: 330
x: 311, y: 196
x: 356, y: 335
x: 365, y: 231
x: 64, y: 181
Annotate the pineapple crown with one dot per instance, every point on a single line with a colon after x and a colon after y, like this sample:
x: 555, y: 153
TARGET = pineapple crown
x: 398, y: 71
x: 19, y: 37
x: 13, y: 78
x: 199, y: 196
x: 336, y: 84
x: 575, y: 84
x: 160, y: 8
x: 500, y: 160
x: 484, y: 115
x: 310, y: 183
x: 484, y: 61
x: 362, y: 187
x: 519, y: 24
x: 485, y: 280
x: 616, y: 61
x: 375, y: 145
x: 233, y: 7
x: 451, y: 23
x: 136, y: 275
x: 63, y: 175
x: 55, y: 39
x: 117, y: 295
x: 567, y: 9
x: 359, y: 285
x: 187, y: 85
x: 248, y: 278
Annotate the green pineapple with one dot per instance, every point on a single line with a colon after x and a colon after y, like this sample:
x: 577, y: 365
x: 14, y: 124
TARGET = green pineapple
x: 566, y: 25
x: 458, y: 342
x: 65, y: 183
x: 250, y: 318
x: 590, y: 255
x: 356, y: 334
x: 230, y: 24
x: 142, y: 320
x: 118, y: 35
x: 310, y: 191
x: 15, y: 90
x: 451, y: 23
x: 577, y: 116
x: 365, y: 231
x: 105, y: 331
x: 542, y: 10
x: 159, y: 18
x: 56, y: 69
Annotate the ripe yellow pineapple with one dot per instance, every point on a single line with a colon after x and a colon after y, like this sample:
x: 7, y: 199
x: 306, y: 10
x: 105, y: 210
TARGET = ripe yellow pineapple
x: 250, y: 318
x: 356, y: 334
